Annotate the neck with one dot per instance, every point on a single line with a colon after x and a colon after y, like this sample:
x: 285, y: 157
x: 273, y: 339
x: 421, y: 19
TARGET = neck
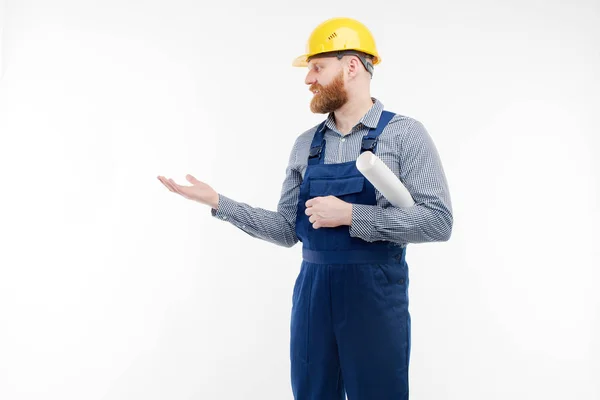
x: 347, y: 116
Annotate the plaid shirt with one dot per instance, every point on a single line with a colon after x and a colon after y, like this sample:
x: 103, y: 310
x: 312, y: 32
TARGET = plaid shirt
x: 404, y: 146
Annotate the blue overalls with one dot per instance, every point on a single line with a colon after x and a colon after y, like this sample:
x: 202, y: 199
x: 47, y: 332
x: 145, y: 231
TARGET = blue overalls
x: 350, y: 325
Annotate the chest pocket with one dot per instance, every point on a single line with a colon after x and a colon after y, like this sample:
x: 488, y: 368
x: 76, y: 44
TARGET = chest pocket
x: 337, y: 187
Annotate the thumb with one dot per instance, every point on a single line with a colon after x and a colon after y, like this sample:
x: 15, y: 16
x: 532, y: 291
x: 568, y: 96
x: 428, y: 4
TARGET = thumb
x: 191, y: 179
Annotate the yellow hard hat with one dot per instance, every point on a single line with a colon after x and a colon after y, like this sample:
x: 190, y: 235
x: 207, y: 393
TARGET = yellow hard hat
x: 339, y: 35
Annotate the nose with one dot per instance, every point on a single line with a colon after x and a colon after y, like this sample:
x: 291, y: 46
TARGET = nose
x: 310, y: 79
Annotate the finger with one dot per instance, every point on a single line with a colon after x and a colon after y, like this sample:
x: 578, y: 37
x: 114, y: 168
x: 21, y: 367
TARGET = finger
x: 317, y: 225
x: 172, y: 184
x: 160, y: 179
x: 164, y: 181
x: 311, y: 202
x: 308, y: 211
x: 192, y: 179
x: 312, y: 218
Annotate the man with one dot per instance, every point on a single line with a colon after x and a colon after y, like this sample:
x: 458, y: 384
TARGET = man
x: 350, y: 324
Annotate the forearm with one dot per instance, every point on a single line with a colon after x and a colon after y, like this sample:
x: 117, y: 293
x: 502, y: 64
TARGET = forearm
x: 417, y: 224
x: 263, y: 224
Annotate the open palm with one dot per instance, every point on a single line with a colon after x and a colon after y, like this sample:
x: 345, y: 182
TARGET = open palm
x: 198, y: 191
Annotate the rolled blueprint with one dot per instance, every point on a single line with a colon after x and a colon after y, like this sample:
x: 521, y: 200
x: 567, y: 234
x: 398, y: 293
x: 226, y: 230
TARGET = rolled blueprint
x: 384, y: 180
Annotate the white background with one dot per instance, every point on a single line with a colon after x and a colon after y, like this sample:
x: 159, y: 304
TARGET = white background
x: 111, y: 287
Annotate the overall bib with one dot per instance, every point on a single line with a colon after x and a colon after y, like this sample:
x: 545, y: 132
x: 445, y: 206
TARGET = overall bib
x: 350, y: 325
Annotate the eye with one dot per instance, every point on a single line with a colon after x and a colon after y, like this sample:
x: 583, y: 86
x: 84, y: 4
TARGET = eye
x: 316, y: 68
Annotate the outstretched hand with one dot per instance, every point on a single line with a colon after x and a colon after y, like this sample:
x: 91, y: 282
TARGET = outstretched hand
x: 199, y: 191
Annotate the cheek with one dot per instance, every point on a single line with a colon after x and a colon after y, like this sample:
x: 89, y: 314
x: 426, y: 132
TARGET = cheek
x: 325, y: 81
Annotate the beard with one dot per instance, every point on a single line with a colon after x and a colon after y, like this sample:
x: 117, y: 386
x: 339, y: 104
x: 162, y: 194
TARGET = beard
x: 330, y: 97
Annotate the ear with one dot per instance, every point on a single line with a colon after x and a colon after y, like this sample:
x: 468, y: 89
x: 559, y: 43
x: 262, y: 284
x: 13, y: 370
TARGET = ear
x: 353, y: 66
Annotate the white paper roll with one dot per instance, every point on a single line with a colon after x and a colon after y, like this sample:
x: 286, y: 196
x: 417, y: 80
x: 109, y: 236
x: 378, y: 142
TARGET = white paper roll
x: 384, y: 180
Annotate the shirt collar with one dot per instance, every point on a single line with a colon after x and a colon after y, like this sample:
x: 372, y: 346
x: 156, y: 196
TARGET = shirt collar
x: 370, y: 119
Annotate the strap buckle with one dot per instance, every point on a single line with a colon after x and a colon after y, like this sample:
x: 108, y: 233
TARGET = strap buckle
x: 368, y: 144
x: 315, y: 151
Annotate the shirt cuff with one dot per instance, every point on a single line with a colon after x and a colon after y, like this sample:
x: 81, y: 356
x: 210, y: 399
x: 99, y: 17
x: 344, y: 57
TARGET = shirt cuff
x: 363, y: 220
x: 225, y: 208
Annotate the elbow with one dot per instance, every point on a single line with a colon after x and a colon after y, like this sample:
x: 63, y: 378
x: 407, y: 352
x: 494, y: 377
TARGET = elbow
x: 444, y: 237
x: 290, y: 242
x: 283, y: 242
x: 445, y: 227
x: 440, y: 229
x: 289, y: 238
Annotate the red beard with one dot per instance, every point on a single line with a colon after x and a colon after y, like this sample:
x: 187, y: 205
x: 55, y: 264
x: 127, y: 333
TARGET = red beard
x: 330, y: 97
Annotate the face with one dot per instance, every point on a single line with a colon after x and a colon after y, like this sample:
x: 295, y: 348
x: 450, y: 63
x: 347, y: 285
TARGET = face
x: 326, y: 80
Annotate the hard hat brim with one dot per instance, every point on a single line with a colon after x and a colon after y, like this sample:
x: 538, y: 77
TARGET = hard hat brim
x: 301, y: 61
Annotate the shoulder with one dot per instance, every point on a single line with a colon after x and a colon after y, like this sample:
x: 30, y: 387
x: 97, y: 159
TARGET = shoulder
x: 401, y: 127
x: 403, y: 122
x: 407, y: 135
x: 398, y: 123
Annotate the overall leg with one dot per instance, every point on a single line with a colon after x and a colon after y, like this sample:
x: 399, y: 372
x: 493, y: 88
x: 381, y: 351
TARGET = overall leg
x: 315, y: 367
x: 372, y: 325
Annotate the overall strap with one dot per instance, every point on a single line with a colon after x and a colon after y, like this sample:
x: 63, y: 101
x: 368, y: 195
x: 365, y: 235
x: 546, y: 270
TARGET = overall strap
x: 317, y: 147
x: 369, y: 141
